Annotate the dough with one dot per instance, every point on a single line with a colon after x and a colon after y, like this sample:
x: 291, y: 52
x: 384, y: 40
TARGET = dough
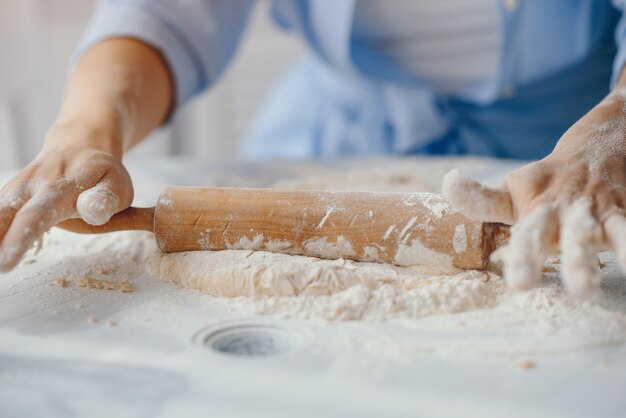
x: 234, y: 273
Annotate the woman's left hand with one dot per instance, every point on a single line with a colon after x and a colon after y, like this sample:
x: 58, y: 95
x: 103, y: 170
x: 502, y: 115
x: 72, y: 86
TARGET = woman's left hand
x: 572, y: 201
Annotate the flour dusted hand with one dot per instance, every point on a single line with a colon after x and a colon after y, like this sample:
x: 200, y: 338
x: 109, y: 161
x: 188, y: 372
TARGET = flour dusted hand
x: 66, y: 180
x: 572, y: 201
x: 119, y: 91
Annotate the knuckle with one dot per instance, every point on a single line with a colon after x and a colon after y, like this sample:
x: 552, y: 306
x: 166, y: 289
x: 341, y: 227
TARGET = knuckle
x: 10, y: 203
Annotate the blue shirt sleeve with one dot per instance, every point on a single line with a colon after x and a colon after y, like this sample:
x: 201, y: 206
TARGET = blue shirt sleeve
x: 620, y: 39
x: 197, y: 38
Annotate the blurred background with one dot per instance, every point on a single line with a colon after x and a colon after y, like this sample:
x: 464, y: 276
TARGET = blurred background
x: 38, y: 37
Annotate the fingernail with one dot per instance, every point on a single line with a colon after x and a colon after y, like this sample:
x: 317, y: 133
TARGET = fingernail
x: 9, y: 259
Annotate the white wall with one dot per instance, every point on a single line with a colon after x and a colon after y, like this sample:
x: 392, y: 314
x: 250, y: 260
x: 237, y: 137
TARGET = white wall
x: 37, y: 37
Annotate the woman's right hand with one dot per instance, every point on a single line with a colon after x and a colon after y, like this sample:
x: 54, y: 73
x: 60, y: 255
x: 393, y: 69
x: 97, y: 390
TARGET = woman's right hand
x: 119, y: 92
x: 73, y: 176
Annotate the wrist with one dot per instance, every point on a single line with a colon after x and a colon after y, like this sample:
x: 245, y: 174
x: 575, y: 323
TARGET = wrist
x: 85, y: 134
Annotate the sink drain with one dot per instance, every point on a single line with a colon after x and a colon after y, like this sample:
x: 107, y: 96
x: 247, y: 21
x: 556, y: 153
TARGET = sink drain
x: 252, y: 339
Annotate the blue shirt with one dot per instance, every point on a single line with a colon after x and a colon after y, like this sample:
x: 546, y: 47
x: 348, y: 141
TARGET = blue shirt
x: 558, y: 57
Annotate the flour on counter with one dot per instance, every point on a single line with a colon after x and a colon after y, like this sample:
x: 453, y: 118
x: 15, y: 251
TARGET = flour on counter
x: 437, y: 310
x: 75, y: 266
x: 123, y: 286
x: 400, y: 312
x: 61, y: 282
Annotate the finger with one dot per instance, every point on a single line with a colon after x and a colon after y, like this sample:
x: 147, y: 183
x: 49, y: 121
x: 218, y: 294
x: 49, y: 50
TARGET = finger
x: 581, y: 237
x: 477, y: 201
x: 532, y: 239
x: 13, y: 196
x: 97, y: 205
x: 8, y: 208
x: 615, y: 230
x: 37, y: 216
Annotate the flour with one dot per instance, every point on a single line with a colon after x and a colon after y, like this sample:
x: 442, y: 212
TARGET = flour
x: 417, y: 253
x: 468, y: 196
x: 322, y: 247
x: 246, y: 243
x: 407, y: 295
x: 581, y: 232
x: 278, y: 246
x: 370, y: 253
x: 388, y: 232
x: 96, y: 206
x: 438, y: 310
x: 74, y: 261
x: 436, y: 206
x: 235, y: 273
x: 326, y: 216
x: 391, y: 311
x: 123, y: 286
x: 459, y: 241
x: 403, y: 233
x: 607, y: 142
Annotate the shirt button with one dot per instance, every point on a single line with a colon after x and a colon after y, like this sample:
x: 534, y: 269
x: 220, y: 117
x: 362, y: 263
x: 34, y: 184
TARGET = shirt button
x: 511, y: 5
x: 508, y: 90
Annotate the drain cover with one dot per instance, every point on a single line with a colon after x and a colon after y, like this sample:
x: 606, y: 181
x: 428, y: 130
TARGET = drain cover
x: 252, y: 339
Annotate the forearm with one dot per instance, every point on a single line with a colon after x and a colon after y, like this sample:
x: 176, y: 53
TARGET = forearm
x: 121, y: 90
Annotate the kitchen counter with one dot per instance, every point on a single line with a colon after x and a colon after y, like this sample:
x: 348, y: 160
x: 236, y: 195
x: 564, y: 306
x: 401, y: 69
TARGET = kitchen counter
x: 164, y: 351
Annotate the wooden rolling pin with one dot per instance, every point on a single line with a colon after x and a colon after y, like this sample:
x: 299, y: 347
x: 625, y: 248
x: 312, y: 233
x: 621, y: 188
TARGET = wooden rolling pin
x: 400, y: 228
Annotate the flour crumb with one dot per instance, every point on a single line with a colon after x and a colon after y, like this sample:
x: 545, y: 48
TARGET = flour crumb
x: 126, y: 287
x: 111, y: 323
x: 123, y: 286
x: 552, y: 265
x: 61, y: 283
x: 525, y: 365
x: 92, y: 320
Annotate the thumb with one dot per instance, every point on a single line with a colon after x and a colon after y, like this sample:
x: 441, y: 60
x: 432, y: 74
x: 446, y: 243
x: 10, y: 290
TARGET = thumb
x: 112, y: 194
x: 477, y: 201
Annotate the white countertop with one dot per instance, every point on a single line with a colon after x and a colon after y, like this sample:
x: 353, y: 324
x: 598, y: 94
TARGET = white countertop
x: 154, y: 362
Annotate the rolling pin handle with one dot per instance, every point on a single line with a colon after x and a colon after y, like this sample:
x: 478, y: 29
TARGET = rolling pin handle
x: 131, y: 219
